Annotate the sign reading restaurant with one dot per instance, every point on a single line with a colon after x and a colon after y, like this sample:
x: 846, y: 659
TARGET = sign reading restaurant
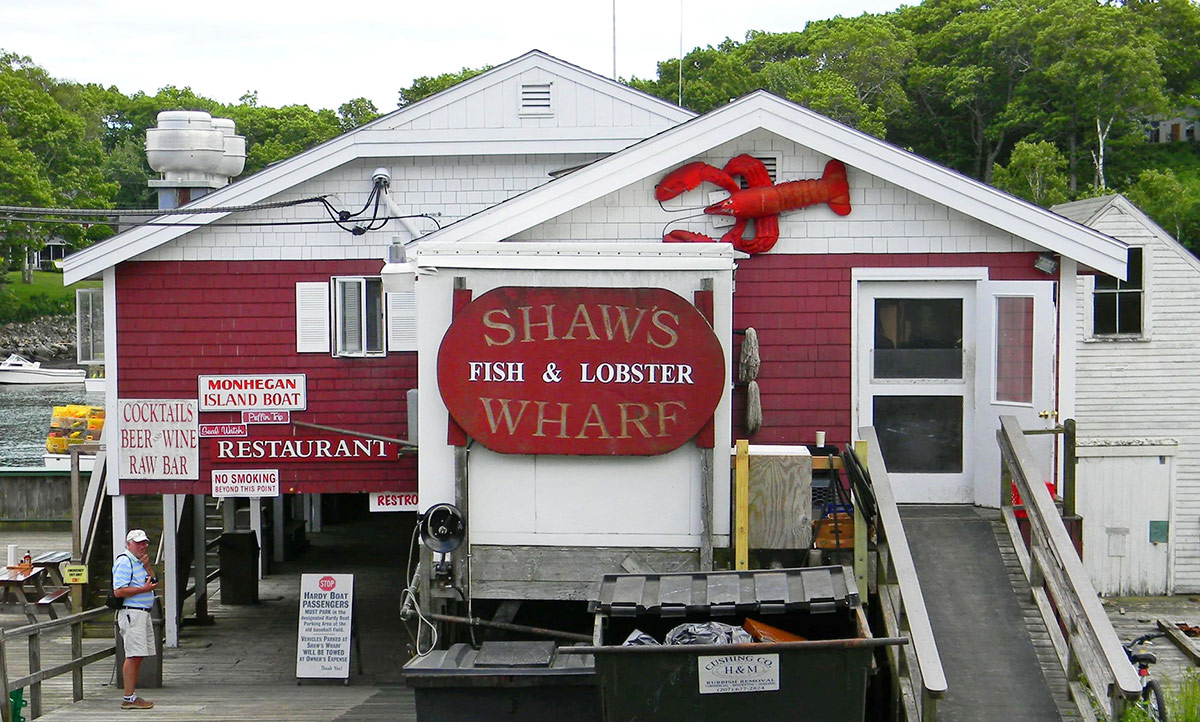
x: 614, y: 371
x: 253, y: 392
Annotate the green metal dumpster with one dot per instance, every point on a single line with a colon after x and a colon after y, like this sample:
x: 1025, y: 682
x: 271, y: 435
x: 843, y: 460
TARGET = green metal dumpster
x: 823, y: 678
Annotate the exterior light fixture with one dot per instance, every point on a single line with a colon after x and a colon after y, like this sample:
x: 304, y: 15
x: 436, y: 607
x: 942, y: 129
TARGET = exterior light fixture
x: 1046, y: 263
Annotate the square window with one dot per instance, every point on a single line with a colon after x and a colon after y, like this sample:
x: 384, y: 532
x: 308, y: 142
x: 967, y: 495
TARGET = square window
x: 89, y: 325
x: 1117, y: 305
x: 360, y: 327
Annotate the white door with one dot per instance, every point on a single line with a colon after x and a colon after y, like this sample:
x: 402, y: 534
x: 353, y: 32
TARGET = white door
x: 915, y: 372
x: 938, y: 363
x: 1124, y: 497
x: 1017, y: 344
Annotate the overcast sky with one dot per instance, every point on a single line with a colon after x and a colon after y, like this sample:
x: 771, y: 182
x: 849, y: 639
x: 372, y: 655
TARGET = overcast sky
x: 325, y: 53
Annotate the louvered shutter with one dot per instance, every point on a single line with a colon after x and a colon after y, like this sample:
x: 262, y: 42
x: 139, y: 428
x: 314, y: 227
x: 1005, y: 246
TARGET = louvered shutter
x: 536, y: 99
x: 312, y: 317
x: 402, y: 321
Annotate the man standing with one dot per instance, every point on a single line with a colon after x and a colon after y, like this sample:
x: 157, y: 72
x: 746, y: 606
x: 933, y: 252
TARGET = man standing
x: 134, y: 582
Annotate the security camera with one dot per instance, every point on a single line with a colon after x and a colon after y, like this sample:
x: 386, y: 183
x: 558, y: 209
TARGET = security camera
x: 381, y: 177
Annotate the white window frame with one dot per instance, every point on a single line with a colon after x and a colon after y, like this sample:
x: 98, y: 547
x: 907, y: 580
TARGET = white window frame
x: 1089, y: 307
x: 343, y: 312
x: 318, y: 315
x: 89, y: 301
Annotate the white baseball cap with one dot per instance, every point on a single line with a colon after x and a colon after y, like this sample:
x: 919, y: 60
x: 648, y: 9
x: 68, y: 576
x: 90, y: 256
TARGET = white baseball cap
x: 137, y: 535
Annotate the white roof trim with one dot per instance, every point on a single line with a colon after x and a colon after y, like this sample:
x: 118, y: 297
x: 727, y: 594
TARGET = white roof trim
x: 644, y: 256
x: 373, y: 141
x: 859, y: 150
x: 1122, y: 203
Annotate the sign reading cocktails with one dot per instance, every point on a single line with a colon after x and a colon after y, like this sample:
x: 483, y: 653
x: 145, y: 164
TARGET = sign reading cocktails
x: 534, y: 370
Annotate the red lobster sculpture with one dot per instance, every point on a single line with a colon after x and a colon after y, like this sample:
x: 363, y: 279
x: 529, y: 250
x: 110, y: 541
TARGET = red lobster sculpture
x: 762, y: 202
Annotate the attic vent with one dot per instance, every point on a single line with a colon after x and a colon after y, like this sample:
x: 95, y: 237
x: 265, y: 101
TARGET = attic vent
x: 536, y: 99
x: 772, y: 164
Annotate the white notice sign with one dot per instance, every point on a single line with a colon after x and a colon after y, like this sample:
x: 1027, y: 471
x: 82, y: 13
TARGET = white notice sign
x: 738, y: 673
x: 245, y: 482
x: 326, y: 610
x: 393, y: 501
x: 159, y: 439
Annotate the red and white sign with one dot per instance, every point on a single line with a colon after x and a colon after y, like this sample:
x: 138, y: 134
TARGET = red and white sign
x: 158, y: 439
x: 614, y: 371
x: 254, y: 392
x: 326, y: 613
x: 393, y: 501
x: 266, y: 417
x: 245, y: 483
x: 208, y: 431
x: 276, y: 449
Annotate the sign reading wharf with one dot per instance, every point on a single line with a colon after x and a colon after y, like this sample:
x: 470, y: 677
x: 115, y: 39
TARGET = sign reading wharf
x: 326, y: 613
x: 612, y: 371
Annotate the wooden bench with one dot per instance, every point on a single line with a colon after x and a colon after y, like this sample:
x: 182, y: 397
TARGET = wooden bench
x: 52, y: 596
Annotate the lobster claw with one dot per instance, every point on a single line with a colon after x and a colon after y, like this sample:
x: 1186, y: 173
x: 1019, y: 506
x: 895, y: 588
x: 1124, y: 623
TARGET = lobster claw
x: 690, y: 176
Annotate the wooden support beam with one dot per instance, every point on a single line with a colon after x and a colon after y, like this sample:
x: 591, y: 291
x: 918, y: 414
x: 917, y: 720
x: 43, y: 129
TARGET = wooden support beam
x: 741, y: 501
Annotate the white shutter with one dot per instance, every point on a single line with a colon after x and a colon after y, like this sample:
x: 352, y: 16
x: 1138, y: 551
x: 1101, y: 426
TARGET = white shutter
x: 402, y: 321
x: 312, y: 317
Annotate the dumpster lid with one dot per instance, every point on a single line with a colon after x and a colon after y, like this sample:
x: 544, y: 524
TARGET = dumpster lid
x: 763, y: 591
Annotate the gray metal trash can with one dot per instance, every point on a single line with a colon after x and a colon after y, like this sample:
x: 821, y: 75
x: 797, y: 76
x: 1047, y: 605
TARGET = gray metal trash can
x: 239, y: 567
x: 150, y: 673
x: 822, y: 678
x: 518, y: 681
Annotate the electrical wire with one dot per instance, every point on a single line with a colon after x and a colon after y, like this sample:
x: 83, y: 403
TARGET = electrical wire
x: 182, y: 211
x: 409, y: 600
x: 234, y: 224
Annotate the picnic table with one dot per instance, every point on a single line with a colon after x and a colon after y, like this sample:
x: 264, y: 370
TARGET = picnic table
x: 51, y: 561
x: 27, y: 589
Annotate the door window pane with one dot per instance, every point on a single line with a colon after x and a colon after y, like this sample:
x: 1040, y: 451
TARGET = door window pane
x: 1014, y: 349
x: 918, y: 338
x: 920, y: 434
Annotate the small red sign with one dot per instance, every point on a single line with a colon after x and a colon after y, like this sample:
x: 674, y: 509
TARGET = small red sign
x: 217, y: 430
x: 266, y: 417
x: 327, y: 583
x: 612, y: 371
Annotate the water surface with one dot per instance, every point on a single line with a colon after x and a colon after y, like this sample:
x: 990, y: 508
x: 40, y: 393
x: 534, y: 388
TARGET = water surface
x: 25, y: 411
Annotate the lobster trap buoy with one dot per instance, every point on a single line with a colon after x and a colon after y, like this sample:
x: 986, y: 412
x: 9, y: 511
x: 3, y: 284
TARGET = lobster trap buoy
x: 748, y: 360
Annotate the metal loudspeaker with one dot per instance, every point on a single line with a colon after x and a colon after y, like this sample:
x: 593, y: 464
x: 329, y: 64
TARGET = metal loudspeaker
x: 442, y: 528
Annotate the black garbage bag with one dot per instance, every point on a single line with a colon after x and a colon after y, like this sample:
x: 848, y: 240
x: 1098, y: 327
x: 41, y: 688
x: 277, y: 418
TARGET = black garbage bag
x: 708, y: 633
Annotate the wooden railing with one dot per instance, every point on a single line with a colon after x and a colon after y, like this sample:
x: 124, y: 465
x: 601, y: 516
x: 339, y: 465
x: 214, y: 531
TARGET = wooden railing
x: 33, y: 634
x: 1096, y: 666
x: 916, y: 668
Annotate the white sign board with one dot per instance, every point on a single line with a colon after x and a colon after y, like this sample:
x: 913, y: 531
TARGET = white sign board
x: 728, y: 673
x: 210, y: 431
x: 393, y: 501
x: 326, y: 610
x: 253, y: 392
x: 159, y: 439
x: 247, y: 483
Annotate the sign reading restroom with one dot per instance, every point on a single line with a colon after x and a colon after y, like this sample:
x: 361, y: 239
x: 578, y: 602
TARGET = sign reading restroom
x: 612, y: 371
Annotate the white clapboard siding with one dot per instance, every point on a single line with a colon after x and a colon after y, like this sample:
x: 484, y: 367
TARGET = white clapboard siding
x: 1149, y: 388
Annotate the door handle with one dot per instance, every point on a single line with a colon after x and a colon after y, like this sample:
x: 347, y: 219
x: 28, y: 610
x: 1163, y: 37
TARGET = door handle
x: 1048, y: 414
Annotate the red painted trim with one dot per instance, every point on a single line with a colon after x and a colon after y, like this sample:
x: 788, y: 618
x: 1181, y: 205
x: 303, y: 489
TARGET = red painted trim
x: 706, y: 438
x: 455, y: 436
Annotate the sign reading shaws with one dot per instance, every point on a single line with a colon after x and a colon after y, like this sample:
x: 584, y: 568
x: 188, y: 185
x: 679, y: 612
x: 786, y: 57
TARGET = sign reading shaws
x: 613, y: 371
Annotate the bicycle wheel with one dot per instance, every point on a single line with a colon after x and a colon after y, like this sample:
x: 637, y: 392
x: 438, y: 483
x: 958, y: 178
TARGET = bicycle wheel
x: 1152, y: 698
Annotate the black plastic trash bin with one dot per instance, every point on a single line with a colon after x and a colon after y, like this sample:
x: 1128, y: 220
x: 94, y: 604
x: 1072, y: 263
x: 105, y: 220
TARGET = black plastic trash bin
x: 823, y: 678
x: 516, y: 681
x: 239, y: 567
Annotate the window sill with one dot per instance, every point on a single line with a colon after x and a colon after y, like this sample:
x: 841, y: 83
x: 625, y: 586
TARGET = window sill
x: 1118, y: 338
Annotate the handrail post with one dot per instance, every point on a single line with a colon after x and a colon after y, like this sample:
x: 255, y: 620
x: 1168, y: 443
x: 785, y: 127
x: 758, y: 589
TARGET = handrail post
x: 35, y: 666
x: 1069, y: 463
x: 76, y: 653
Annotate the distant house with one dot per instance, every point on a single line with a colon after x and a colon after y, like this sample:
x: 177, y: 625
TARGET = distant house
x: 1137, y: 367
x: 1174, y: 130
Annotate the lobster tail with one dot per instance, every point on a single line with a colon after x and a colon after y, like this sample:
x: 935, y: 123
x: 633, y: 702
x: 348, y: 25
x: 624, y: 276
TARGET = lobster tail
x: 839, y: 187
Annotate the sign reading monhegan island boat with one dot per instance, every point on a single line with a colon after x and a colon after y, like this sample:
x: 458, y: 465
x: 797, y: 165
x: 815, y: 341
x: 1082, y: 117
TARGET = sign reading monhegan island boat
x: 159, y: 439
x: 326, y: 612
x: 615, y: 371
x: 254, y: 392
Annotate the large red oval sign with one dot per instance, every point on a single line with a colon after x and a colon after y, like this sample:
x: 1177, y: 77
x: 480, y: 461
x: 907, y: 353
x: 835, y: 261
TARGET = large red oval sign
x: 616, y: 371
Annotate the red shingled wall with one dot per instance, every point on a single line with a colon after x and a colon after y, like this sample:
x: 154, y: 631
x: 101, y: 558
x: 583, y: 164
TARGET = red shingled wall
x: 800, y: 307
x: 180, y: 320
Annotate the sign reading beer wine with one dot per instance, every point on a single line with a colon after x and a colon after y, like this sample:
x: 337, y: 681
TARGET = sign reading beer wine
x: 614, y: 371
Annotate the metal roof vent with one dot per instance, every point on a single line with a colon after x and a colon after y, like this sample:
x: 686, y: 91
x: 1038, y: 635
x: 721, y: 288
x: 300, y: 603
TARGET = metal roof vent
x: 537, y: 99
x: 195, y: 153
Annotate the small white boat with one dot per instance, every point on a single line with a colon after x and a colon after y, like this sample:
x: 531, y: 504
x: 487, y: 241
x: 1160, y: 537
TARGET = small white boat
x: 20, y: 370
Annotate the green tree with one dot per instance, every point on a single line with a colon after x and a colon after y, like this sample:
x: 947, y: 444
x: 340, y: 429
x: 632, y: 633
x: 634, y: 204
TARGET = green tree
x: 425, y: 86
x: 1035, y: 172
x: 1163, y: 197
x: 356, y: 112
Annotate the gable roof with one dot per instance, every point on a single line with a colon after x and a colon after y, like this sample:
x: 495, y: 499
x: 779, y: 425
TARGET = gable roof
x: 762, y: 110
x: 1090, y: 212
x: 402, y: 134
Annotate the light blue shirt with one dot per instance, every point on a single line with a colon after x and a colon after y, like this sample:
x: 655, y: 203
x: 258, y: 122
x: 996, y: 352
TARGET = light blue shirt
x: 128, y: 571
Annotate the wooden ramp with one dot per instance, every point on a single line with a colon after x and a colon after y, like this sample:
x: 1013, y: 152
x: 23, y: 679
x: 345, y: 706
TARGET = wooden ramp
x: 992, y: 668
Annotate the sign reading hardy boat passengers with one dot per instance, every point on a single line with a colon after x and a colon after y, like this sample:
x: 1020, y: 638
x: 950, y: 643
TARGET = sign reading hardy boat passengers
x: 255, y: 392
x: 612, y: 371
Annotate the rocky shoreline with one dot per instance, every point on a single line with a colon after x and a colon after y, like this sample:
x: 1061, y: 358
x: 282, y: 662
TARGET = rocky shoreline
x: 50, y: 339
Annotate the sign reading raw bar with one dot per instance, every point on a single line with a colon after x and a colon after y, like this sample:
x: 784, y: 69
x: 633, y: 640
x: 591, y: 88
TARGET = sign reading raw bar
x: 159, y: 439
x: 615, y: 371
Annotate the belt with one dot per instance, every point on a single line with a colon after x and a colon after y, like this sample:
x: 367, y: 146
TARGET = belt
x: 140, y: 609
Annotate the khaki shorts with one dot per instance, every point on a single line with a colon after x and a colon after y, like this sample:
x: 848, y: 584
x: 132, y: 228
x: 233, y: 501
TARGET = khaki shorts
x: 137, y: 632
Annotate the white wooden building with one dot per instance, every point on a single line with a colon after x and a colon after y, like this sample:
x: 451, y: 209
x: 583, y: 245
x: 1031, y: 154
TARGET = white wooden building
x: 1137, y: 376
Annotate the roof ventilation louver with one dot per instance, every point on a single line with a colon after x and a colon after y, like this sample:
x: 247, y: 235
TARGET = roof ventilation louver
x: 537, y: 99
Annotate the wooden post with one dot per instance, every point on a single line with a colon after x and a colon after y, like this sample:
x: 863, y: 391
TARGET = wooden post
x: 77, y: 653
x: 277, y: 527
x: 256, y: 526
x: 707, y: 475
x: 1069, y: 463
x: 199, y: 558
x: 741, y: 500
x: 170, y: 586
x: 462, y: 499
x: 76, y: 531
x: 860, y: 534
x: 35, y: 665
